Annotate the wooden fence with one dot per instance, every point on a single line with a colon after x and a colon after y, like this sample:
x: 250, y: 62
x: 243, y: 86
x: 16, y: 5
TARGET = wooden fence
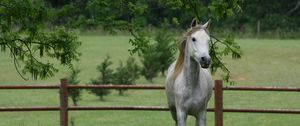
x: 218, y: 93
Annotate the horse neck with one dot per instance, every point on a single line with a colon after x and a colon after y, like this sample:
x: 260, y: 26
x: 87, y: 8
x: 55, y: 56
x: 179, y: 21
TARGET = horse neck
x: 191, y: 69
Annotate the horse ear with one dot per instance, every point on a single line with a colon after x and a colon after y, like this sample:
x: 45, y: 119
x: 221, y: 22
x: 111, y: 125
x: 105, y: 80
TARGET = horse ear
x: 206, y: 25
x: 194, y: 23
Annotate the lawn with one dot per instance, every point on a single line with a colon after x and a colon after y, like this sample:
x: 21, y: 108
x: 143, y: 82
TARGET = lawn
x: 264, y: 63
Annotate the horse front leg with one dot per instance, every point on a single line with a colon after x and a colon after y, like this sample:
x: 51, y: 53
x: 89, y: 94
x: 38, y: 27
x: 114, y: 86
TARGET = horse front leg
x: 181, y: 117
x: 174, y: 114
x: 201, y: 118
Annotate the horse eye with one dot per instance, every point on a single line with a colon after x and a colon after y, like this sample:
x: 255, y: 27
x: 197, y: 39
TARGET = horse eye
x: 194, y: 39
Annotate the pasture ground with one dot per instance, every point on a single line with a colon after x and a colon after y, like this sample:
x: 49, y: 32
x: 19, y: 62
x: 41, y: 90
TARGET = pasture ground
x: 264, y: 63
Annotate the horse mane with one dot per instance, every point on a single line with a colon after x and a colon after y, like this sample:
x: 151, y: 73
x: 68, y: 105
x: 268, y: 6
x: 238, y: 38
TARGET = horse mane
x: 182, y: 45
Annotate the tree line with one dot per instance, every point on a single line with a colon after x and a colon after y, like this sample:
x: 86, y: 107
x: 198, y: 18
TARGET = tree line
x: 239, y: 16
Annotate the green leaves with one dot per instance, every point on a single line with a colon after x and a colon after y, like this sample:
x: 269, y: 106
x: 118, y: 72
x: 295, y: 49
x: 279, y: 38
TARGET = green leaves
x: 22, y: 32
x: 219, y: 49
x: 156, y: 55
x: 59, y: 44
x: 126, y: 74
x: 222, y: 9
x: 140, y: 43
x: 38, y: 69
x: 24, y: 14
x: 137, y: 8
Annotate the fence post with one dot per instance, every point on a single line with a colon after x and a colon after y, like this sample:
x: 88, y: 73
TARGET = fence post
x: 63, y: 102
x: 218, y: 103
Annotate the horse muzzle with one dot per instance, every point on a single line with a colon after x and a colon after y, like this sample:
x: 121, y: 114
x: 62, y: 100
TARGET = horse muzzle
x: 205, y: 62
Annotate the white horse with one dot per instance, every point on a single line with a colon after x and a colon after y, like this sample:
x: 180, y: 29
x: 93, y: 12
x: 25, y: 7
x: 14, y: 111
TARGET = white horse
x: 189, y: 82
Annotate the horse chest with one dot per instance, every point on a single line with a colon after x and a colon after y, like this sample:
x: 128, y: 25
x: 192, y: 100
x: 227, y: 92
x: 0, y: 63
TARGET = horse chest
x: 193, y: 98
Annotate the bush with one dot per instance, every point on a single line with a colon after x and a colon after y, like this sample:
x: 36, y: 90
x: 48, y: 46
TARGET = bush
x: 151, y: 65
x: 127, y: 74
x: 74, y: 94
x: 106, y: 77
x: 158, y: 57
x: 166, y: 49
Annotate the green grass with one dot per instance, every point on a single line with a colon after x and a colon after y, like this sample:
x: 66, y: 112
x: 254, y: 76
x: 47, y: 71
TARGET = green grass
x: 264, y: 63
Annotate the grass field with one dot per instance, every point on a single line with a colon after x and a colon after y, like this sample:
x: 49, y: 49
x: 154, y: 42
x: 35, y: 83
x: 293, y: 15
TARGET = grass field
x: 264, y: 63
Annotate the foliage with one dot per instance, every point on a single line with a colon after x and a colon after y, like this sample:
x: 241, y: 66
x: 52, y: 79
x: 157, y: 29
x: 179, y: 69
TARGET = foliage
x: 159, y: 54
x: 106, y: 77
x: 151, y: 66
x: 126, y: 75
x: 279, y: 17
x: 140, y: 42
x: 23, y: 34
x: 217, y: 51
x: 228, y: 15
x: 74, y: 94
x: 165, y: 46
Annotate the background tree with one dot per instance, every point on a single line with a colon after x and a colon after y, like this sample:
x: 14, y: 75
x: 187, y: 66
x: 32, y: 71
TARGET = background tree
x: 106, y: 77
x: 272, y: 15
x: 150, y: 63
x: 23, y: 34
x: 159, y: 54
x: 74, y: 94
x: 166, y: 48
x: 126, y: 74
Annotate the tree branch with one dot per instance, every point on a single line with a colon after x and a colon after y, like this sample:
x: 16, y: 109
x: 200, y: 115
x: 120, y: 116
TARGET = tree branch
x: 218, y: 40
x: 16, y: 63
x: 4, y: 5
x: 29, y: 49
x: 294, y: 9
x: 132, y: 33
x: 215, y: 55
x: 39, y: 43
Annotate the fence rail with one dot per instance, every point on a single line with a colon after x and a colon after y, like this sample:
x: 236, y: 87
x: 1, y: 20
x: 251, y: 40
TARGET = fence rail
x: 140, y: 108
x: 218, y: 93
x: 6, y: 87
x: 259, y: 88
x: 147, y: 87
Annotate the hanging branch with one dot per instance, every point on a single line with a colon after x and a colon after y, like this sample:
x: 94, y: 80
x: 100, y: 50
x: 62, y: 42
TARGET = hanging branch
x: 214, y: 56
x: 230, y: 46
x: 16, y: 63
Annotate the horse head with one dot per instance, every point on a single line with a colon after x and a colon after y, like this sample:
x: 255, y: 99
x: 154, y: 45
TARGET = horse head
x: 198, y: 44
